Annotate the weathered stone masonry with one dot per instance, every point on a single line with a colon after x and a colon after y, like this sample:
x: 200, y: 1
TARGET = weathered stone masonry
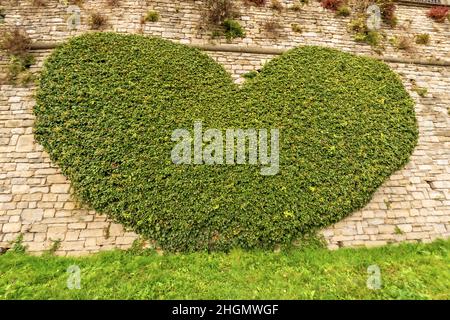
x: 413, y: 205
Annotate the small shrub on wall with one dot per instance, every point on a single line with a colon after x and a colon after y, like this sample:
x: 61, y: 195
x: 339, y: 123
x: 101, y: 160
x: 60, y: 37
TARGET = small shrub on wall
x: 362, y: 33
x: 343, y: 11
x: 221, y: 15
x: 276, y: 5
x: 402, y: 43
x: 259, y: 3
x: 152, y: 16
x: 332, y: 4
x: 220, y: 10
x: 423, y: 39
x: 16, y: 43
x: 113, y: 3
x: 97, y: 21
x: 233, y: 29
x: 39, y: 3
x: 108, y: 104
x: 388, y: 15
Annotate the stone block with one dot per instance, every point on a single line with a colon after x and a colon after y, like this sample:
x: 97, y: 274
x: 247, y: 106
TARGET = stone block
x: 11, y: 227
x: 60, y: 188
x: 25, y: 143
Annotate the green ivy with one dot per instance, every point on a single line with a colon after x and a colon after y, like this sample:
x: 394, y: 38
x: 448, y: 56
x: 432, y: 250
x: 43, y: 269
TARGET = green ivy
x: 108, y: 103
x: 152, y: 16
x: 233, y: 29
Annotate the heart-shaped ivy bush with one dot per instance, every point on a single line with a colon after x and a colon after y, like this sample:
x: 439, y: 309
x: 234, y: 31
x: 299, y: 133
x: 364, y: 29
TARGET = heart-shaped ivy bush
x: 108, y: 105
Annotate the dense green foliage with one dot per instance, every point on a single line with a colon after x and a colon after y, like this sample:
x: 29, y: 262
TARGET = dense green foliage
x: 233, y: 29
x: 108, y: 104
x: 408, y: 271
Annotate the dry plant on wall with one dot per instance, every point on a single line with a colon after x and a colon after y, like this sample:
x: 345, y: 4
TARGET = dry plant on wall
x: 272, y: 28
x: 276, y: 5
x: 296, y: 6
x: 97, y: 21
x: 220, y: 19
x: 405, y: 43
x: 259, y: 3
x: 78, y: 3
x: 39, y: 3
x: 16, y: 43
x: 113, y: 3
x: 220, y: 10
x: 332, y: 4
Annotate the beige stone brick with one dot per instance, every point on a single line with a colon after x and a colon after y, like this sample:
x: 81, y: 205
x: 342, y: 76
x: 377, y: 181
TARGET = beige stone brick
x: 37, y: 246
x: 78, y: 225
x: 10, y: 219
x: 63, y: 213
x: 49, y: 213
x: 11, y: 227
x: 19, y: 189
x: 45, y: 205
x: 69, y: 205
x: 39, y: 189
x: 87, y: 233
x: 32, y: 197
x: 115, y: 230
x: 32, y: 215
x: 49, y: 197
x: 417, y: 235
x: 90, y: 243
x: 440, y: 228
x: 60, y: 188
x: 371, y: 230
x: 38, y: 228
x: 72, y: 245
x: 56, y: 233
x: 405, y: 228
x: 98, y: 225
x: 5, y: 197
x: 56, y: 179
x: 125, y: 240
x: 25, y: 143
x: 72, y: 235
x: 375, y: 243
x: 386, y: 229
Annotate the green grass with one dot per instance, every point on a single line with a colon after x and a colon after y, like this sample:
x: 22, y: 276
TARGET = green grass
x: 408, y: 271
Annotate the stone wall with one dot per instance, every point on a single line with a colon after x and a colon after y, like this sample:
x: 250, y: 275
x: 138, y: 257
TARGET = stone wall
x: 183, y: 21
x: 413, y: 205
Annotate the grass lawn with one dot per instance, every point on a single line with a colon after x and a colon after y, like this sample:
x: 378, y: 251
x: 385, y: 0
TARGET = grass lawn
x: 408, y: 271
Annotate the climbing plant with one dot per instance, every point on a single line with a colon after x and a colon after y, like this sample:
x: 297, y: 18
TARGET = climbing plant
x: 108, y: 105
